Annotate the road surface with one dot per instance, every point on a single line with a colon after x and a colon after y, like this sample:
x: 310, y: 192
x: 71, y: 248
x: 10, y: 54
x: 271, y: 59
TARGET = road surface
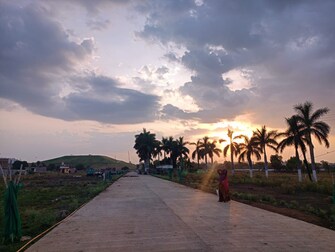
x: 144, y: 213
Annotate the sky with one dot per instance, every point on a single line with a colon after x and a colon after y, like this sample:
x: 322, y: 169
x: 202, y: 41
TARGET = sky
x: 84, y: 77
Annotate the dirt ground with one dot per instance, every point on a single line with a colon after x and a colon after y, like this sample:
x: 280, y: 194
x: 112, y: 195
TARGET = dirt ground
x: 302, y: 199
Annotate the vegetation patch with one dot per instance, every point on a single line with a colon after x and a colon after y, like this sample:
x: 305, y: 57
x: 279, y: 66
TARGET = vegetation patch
x: 46, y: 199
x: 281, y: 193
x: 95, y: 161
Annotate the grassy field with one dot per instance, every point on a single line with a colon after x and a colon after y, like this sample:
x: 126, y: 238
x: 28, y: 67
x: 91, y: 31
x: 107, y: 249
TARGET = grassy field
x: 95, y: 161
x: 46, y: 199
x: 281, y: 193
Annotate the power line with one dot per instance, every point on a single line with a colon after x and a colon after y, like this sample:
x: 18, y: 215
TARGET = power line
x: 325, y: 153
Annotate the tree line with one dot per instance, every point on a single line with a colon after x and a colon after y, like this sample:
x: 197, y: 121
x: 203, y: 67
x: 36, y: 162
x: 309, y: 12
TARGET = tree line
x: 302, y: 128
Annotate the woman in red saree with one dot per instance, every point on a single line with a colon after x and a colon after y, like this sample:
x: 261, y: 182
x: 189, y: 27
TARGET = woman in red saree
x: 223, y: 186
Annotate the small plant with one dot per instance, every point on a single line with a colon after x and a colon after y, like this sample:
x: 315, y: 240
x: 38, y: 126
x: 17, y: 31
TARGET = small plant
x: 268, y: 198
x: 294, y: 204
x: 310, y: 209
x: 282, y: 203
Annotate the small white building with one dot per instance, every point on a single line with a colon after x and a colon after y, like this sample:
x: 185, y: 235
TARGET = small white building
x: 66, y: 169
x: 63, y: 168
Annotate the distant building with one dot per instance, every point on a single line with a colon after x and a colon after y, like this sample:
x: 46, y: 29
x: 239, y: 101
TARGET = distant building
x: 41, y: 169
x: 66, y: 169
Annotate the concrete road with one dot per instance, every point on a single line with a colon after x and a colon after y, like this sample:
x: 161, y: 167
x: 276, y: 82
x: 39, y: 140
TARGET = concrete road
x: 144, y: 213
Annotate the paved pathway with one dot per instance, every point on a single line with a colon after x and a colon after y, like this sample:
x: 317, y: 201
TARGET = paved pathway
x: 145, y: 213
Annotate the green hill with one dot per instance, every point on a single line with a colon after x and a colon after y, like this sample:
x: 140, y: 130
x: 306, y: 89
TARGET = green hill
x: 95, y: 161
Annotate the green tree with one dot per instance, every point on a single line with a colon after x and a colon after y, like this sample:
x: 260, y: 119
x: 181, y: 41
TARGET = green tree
x: 157, y: 152
x: 179, y: 150
x: 248, y: 149
x: 145, y: 145
x: 213, y: 150
x: 294, y: 136
x: 312, y: 126
x: 233, y: 147
x: 325, y: 165
x: 276, y: 162
x: 17, y: 164
x: 197, y: 152
x: 263, y: 139
x: 292, y: 163
x: 165, y: 146
x: 169, y: 147
x: 80, y: 167
x: 204, y: 147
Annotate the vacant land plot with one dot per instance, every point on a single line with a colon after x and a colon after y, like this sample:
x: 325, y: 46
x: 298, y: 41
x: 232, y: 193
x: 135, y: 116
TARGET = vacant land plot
x: 46, y: 199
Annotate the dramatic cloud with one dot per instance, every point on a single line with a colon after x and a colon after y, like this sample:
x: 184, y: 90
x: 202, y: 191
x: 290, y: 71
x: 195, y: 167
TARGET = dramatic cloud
x: 287, y: 46
x: 102, y: 100
x: 39, y: 62
x: 33, y: 51
x: 175, y: 67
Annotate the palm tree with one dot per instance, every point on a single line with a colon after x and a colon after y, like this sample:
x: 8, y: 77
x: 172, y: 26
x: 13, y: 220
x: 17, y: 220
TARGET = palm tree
x: 212, y: 149
x: 157, y: 152
x: 145, y: 145
x: 247, y: 150
x: 197, y: 152
x: 168, y: 145
x: 164, y: 146
x: 204, y: 148
x: 182, y: 150
x: 263, y: 139
x: 293, y: 136
x: 234, y: 150
x: 178, y: 150
x: 312, y: 126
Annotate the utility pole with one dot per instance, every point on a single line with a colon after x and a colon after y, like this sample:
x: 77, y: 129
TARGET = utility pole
x: 129, y: 158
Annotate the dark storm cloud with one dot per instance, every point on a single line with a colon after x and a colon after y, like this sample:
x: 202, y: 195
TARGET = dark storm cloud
x: 38, y: 60
x: 172, y: 112
x: 33, y: 51
x: 105, y: 101
x: 289, y: 46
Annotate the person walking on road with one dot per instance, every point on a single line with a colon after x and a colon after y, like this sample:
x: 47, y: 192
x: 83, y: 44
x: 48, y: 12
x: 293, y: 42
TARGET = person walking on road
x: 223, y: 185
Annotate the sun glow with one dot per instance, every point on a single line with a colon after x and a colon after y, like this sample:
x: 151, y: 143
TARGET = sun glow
x: 239, y: 128
x: 219, y: 131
